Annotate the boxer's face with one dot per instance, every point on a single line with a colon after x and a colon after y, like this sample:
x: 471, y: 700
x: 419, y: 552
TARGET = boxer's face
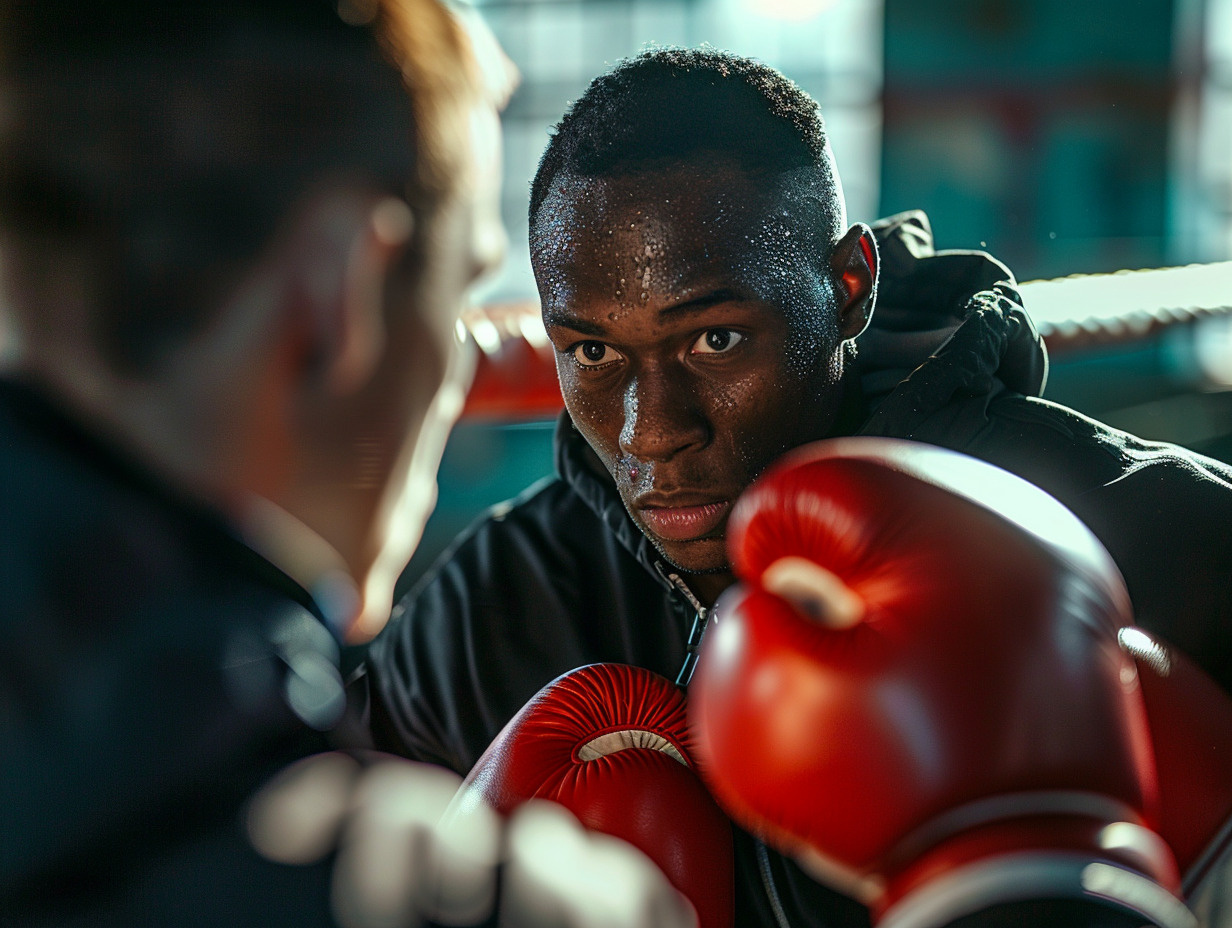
x: 694, y: 317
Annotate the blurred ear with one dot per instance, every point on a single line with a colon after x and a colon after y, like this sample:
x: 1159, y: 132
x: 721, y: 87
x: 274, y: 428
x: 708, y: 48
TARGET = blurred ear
x: 335, y: 263
x: 854, y: 265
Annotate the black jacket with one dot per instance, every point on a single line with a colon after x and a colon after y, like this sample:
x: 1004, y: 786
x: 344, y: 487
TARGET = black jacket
x: 147, y: 662
x: 560, y: 577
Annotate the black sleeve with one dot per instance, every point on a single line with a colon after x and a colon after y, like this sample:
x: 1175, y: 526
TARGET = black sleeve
x: 527, y: 594
x: 1163, y: 512
x: 451, y: 667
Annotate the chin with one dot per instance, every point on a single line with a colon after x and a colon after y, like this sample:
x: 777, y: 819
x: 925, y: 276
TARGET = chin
x: 702, y: 556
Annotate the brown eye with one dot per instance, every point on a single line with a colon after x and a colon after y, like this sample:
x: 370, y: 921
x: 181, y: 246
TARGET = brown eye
x: 716, y: 341
x: 594, y: 354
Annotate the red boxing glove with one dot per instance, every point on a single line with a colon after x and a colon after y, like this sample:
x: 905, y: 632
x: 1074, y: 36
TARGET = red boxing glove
x: 611, y: 743
x: 1191, y: 731
x: 918, y: 690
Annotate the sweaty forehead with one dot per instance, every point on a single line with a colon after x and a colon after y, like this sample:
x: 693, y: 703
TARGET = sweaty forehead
x: 695, y: 225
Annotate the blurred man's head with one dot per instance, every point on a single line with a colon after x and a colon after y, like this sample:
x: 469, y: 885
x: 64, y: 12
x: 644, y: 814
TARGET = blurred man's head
x: 699, y: 283
x: 236, y: 236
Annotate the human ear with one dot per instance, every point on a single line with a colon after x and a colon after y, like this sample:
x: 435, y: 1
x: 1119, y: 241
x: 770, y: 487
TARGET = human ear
x: 339, y: 255
x: 854, y: 265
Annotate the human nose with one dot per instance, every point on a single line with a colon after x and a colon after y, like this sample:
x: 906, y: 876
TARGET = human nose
x: 661, y: 417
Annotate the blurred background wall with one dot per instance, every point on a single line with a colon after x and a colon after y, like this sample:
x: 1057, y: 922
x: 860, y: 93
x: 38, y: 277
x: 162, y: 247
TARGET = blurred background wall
x: 1065, y: 136
x: 1069, y: 135
x: 1073, y: 137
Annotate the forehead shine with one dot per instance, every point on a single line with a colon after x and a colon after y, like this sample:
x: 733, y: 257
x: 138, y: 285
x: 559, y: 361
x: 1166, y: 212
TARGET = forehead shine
x: 681, y: 228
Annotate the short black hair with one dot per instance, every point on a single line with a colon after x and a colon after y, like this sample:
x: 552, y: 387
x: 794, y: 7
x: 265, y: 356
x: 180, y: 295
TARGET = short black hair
x: 156, y: 146
x: 675, y: 103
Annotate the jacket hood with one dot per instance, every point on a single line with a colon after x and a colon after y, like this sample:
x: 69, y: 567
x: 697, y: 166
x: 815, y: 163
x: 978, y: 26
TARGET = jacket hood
x: 947, y: 336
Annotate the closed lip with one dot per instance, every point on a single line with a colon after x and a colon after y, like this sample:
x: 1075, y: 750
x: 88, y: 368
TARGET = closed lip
x: 682, y: 519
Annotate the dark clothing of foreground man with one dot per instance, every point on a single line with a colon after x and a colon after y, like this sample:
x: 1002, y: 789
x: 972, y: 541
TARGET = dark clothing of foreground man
x: 587, y: 567
x: 171, y: 671
x: 225, y: 316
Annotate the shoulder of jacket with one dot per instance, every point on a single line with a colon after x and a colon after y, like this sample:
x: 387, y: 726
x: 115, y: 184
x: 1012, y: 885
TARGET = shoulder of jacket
x: 1103, y: 451
x: 530, y: 529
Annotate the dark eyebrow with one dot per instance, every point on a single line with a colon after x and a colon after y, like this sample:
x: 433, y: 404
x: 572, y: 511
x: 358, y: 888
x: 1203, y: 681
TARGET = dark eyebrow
x: 563, y: 319
x: 726, y: 295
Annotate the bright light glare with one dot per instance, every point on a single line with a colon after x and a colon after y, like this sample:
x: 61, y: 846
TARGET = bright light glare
x: 1114, y: 296
x: 531, y: 327
x: 1145, y: 650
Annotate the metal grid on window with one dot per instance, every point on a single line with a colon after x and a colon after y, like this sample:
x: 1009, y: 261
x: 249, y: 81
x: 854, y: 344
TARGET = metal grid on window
x: 831, y: 48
